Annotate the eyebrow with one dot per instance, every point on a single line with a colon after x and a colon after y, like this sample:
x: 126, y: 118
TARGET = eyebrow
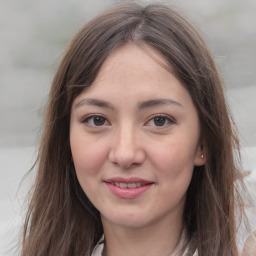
x: 156, y: 102
x: 94, y: 102
x: 141, y: 105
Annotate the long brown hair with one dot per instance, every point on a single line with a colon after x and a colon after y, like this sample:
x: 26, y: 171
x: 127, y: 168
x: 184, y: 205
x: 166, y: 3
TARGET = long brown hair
x: 60, y: 219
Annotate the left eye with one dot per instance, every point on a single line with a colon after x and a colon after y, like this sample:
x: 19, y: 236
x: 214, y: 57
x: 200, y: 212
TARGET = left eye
x: 160, y: 121
x: 95, y: 121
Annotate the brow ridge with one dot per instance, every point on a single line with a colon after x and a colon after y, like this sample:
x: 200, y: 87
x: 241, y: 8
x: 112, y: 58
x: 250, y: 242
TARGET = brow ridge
x: 141, y: 105
x: 94, y: 102
x: 156, y: 102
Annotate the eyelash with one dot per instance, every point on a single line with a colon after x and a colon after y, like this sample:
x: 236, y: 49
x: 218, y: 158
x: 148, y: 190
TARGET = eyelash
x: 89, y: 118
x: 167, y: 121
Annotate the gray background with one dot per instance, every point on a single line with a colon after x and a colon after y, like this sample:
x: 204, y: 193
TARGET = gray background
x: 33, y: 36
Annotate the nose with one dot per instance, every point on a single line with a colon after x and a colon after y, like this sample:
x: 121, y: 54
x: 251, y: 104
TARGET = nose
x: 126, y: 150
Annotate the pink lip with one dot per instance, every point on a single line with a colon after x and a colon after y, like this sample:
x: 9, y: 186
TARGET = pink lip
x: 128, y: 180
x: 128, y: 193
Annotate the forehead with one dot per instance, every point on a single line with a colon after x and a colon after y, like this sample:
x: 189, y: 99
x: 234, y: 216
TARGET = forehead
x: 132, y: 67
x: 134, y: 57
x: 136, y: 74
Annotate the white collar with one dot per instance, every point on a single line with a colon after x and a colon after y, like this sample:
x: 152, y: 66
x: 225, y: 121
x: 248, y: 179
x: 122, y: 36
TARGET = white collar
x: 99, y: 248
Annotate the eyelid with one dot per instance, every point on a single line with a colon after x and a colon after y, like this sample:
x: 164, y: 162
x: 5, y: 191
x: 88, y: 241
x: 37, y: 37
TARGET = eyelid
x: 170, y: 120
x: 88, y: 117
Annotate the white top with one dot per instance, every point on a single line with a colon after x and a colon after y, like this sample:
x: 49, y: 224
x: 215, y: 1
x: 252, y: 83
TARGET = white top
x: 246, y: 240
x: 250, y: 243
x: 99, y: 248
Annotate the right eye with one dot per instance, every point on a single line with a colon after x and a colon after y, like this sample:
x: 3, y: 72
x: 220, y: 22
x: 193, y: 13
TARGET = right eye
x: 95, y: 121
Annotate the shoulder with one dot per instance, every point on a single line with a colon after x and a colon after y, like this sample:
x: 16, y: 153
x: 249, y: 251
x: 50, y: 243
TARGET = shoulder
x: 249, y: 248
x: 99, y: 247
x: 247, y: 233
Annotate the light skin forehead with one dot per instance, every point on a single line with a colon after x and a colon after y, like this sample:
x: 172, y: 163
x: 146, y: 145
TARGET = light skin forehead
x: 134, y: 57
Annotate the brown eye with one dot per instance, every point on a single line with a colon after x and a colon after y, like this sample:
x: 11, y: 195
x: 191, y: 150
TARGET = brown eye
x: 159, y: 120
x: 98, y: 120
x: 95, y: 121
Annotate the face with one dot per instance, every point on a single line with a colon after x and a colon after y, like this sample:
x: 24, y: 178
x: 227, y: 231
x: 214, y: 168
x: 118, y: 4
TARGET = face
x: 134, y: 137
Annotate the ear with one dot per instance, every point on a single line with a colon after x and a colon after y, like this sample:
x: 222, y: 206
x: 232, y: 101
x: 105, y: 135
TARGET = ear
x: 200, y: 157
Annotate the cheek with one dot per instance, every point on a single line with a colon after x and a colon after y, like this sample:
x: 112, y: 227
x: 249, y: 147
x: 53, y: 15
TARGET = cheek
x: 88, y: 156
x: 174, y: 158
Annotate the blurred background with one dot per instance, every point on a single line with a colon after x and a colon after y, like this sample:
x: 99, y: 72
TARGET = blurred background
x: 33, y: 36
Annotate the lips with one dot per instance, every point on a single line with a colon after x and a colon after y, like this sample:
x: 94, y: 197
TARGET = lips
x: 127, y: 185
x: 128, y: 188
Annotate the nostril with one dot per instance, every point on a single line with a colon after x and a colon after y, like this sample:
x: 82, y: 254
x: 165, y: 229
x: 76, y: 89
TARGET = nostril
x: 126, y: 155
x: 135, y: 164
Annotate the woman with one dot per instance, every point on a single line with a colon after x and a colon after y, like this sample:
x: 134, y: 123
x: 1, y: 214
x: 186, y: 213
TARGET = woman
x: 137, y: 144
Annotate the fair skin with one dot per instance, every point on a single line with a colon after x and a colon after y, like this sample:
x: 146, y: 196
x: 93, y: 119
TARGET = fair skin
x: 134, y: 137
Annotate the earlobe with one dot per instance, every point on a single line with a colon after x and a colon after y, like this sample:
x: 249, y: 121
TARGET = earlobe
x: 200, y: 158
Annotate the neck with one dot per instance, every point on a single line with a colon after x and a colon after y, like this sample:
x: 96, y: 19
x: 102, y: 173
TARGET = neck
x: 165, y: 238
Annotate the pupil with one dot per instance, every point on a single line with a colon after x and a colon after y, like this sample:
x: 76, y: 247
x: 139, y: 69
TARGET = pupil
x: 159, y: 121
x: 98, y: 120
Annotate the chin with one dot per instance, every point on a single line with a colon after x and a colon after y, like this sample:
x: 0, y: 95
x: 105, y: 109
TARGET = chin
x: 127, y: 220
